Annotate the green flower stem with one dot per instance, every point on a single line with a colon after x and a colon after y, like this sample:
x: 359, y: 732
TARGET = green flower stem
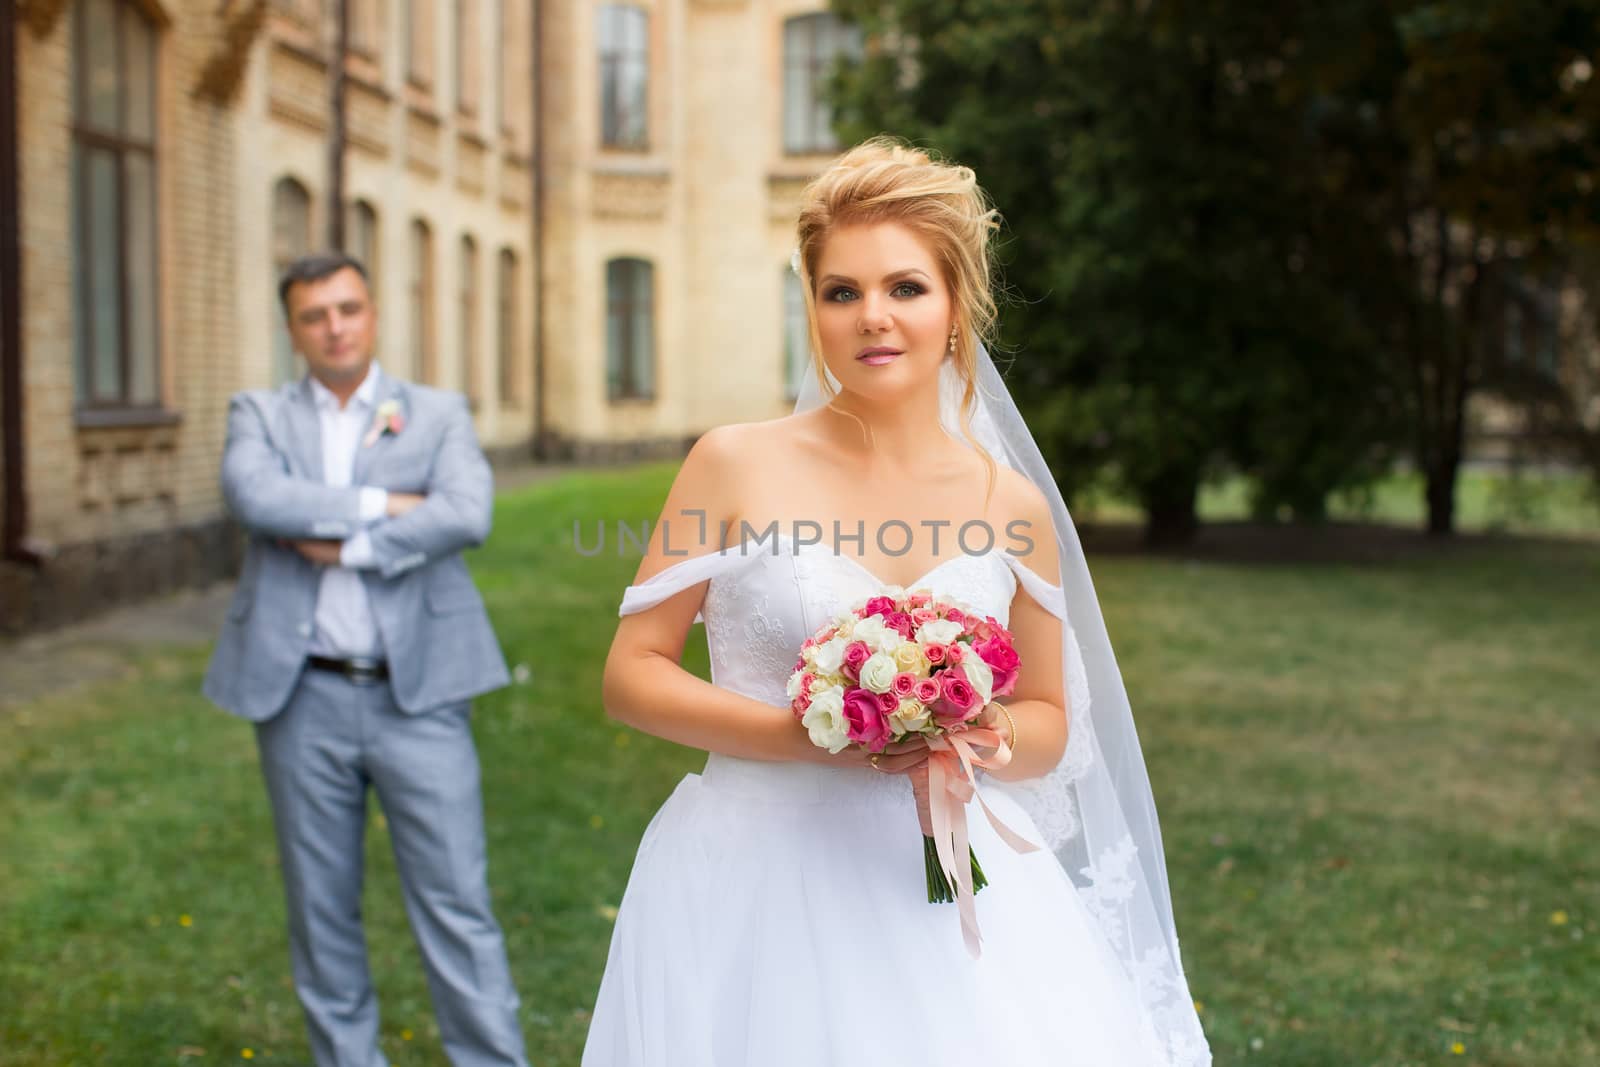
x: 940, y: 890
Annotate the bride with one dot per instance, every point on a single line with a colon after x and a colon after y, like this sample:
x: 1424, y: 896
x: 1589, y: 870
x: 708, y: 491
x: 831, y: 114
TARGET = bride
x: 777, y: 911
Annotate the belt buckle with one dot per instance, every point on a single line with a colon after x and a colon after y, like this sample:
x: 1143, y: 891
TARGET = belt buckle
x: 363, y: 671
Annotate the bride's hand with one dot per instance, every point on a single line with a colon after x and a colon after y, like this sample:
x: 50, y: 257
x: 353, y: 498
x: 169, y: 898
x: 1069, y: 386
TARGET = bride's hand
x: 899, y: 758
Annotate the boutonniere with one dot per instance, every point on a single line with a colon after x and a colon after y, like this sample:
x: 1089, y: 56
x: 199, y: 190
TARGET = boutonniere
x: 387, y: 420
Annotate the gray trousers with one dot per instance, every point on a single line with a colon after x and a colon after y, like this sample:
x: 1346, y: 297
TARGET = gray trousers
x: 319, y: 755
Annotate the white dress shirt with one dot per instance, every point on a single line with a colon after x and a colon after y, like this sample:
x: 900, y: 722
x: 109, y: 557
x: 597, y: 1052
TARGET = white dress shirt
x: 345, y: 626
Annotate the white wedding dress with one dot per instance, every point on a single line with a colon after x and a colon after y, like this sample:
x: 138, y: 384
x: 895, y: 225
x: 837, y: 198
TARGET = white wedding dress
x: 777, y: 913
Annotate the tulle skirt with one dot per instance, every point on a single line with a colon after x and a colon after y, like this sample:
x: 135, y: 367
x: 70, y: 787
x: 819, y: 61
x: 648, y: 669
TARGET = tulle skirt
x: 777, y: 915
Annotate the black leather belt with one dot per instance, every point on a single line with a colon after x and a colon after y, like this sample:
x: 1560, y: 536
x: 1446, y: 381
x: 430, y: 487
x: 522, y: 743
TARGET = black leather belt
x: 359, y: 671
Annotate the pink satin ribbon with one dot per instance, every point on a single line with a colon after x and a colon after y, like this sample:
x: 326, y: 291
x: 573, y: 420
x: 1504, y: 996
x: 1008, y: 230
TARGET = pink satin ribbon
x: 949, y: 790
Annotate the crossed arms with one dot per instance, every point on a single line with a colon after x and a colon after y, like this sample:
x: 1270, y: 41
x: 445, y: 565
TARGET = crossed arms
x: 330, y: 526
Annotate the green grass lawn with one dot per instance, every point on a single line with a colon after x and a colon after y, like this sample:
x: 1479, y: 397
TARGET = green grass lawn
x: 1377, y: 783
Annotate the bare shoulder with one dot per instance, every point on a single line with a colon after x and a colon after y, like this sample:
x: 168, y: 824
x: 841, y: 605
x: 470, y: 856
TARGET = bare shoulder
x: 1025, y: 511
x: 712, y: 482
x: 724, y: 449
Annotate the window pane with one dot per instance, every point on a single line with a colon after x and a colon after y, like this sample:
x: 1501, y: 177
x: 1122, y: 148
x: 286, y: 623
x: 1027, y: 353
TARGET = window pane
x: 609, y: 106
x: 796, y: 107
x: 507, y: 329
x: 291, y: 237
x: 616, y: 325
x: 642, y: 329
x: 623, y: 40
x: 634, y: 91
x: 615, y: 351
x: 468, y: 282
x: 81, y: 257
x: 139, y: 211
x: 104, y: 296
x: 422, y: 303
x: 97, y: 79
x: 812, y: 47
x: 139, y: 82
x: 364, y: 242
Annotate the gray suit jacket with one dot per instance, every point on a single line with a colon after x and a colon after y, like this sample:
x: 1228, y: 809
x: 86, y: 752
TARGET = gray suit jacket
x: 436, y: 634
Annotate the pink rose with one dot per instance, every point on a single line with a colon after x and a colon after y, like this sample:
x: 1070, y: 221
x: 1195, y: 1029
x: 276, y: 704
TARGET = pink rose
x: 934, y: 653
x: 802, y: 701
x: 922, y: 615
x: 903, y: 685
x: 900, y: 623
x: 1002, y: 660
x: 878, y: 605
x: 954, y: 653
x: 958, y: 701
x: 888, y: 702
x: 916, y: 600
x: 956, y: 615
x: 983, y: 628
x: 855, y: 654
x: 868, y: 723
x: 926, y: 691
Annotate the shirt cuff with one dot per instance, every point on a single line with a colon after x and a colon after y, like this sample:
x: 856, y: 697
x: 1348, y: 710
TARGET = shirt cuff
x: 374, y: 503
x: 356, y: 552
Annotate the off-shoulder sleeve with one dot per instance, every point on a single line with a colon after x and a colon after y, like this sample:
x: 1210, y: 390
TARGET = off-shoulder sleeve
x: 678, y: 577
x: 1050, y: 597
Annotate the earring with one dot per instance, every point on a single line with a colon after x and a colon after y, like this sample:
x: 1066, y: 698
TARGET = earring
x: 953, y: 330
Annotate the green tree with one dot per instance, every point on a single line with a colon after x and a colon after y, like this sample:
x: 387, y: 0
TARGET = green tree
x: 1176, y: 313
x: 1463, y: 132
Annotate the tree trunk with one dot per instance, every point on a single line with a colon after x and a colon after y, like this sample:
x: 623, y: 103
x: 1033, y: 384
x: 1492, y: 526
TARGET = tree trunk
x: 1441, y: 495
x: 1171, y: 518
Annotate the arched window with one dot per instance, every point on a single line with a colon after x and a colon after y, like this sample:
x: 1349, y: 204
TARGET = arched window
x: 116, y: 288
x: 630, y: 329
x: 291, y: 239
x: 507, y: 327
x: 811, y: 45
x: 624, y: 37
x: 363, y: 230
x: 467, y: 322
x: 423, y: 364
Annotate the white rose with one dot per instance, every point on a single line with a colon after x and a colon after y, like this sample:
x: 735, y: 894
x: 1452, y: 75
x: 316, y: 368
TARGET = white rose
x: 938, y: 632
x: 909, y: 717
x: 795, y: 680
x: 829, y: 656
x: 824, y: 719
x: 877, y: 674
x: 877, y: 636
x: 980, y: 674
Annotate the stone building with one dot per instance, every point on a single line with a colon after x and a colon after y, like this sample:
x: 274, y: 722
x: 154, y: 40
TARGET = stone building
x: 579, y: 214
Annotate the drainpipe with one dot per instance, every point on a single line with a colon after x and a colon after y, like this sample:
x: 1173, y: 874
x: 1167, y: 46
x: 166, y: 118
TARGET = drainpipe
x: 336, y: 133
x: 16, y: 496
x: 540, y: 447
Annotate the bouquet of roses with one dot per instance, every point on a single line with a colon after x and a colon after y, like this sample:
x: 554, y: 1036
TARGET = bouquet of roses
x: 894, y: 667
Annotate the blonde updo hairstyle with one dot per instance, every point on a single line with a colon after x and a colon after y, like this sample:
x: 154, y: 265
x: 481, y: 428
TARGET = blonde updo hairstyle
x: 883, y: 179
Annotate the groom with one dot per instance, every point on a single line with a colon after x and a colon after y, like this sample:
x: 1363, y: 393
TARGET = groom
x: 355, y: 642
